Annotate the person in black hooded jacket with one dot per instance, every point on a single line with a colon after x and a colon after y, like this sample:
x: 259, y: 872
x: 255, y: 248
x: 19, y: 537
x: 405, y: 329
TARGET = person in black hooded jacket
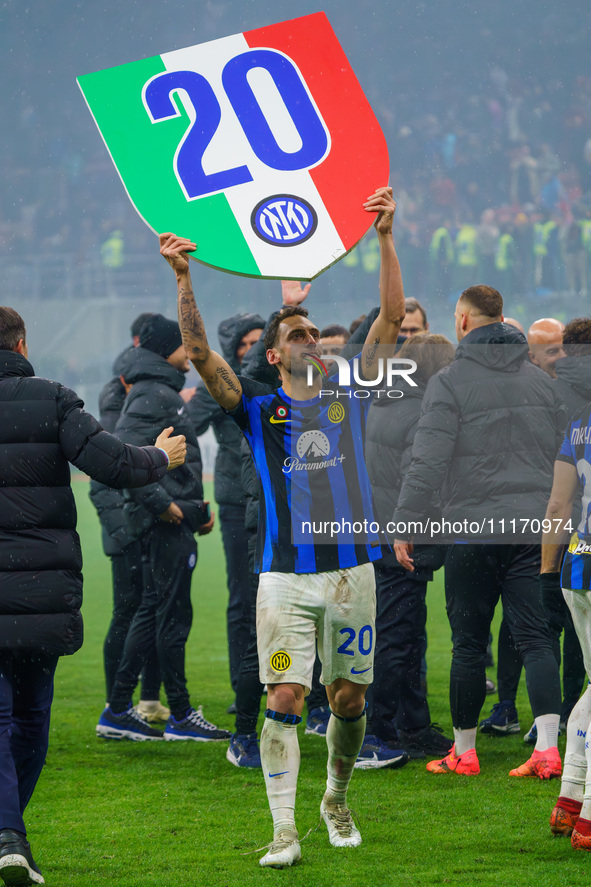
x: 490, y: 427
x: 43, y: 428
x: 167, y: 514
x: 122, y: 545
x: 237, y: 335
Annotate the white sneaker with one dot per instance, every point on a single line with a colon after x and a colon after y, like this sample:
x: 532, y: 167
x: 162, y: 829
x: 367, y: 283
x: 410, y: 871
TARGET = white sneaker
x: 285, y: 850
x: 152, y: 711
x: 342, y: 831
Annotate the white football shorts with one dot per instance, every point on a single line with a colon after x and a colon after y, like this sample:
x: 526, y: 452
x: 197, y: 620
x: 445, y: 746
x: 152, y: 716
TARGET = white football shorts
x: 337, y: 608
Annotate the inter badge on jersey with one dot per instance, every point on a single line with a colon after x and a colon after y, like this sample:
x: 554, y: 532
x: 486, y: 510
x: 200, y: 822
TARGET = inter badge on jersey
x: 336, y: 413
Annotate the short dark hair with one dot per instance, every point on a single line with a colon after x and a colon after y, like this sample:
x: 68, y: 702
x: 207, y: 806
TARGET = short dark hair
x: 136, y: 326
x: 577, y: 336
x: 12, y: 329
x: 355, y: 323
x: 335, y: 329
x: 411, y: 305
x: 485, y: 299
x: 428, y: 360
x: 273, y: 328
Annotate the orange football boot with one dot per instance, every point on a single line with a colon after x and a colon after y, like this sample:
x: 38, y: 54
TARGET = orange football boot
x: 562, y: 822
x: 466, y: 764
x: 544, y: 764
x: 578, y: 840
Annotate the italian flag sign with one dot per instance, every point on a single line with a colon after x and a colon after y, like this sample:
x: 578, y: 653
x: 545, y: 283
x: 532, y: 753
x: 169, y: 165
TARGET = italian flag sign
x: 260, y: 147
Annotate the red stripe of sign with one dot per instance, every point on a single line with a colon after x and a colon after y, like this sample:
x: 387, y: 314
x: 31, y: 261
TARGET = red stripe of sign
x: 358, y: 160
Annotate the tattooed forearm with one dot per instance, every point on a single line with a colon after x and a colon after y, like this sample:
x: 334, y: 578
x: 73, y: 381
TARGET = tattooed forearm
x: 227, y: 380
x: 219, y: 378
x: 192, y: 327
x: 372, y: 351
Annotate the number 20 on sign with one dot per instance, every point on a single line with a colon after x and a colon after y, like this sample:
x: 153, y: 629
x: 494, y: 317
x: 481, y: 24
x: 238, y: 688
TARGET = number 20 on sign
x: 260, y: 147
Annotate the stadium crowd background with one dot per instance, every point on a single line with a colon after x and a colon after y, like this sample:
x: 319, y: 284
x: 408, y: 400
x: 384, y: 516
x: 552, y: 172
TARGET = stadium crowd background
x: 486, y: 109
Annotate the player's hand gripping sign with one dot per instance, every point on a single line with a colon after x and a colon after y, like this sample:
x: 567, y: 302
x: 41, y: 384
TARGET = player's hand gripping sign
x: 260, y: 147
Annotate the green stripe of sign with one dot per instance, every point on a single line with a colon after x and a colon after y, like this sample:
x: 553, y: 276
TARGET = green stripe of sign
x: 143, y: 153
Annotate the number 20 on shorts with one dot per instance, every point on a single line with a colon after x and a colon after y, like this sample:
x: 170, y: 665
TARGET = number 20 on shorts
x: 363, y: 640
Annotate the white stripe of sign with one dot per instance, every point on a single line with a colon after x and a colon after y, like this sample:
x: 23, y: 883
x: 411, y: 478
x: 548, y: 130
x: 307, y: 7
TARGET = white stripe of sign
x: 229, y: 148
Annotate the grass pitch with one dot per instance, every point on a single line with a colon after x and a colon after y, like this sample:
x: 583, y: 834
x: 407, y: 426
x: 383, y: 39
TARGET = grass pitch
x: 151, y: 814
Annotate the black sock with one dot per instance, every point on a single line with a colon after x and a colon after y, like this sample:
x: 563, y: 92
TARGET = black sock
x: 119, y: 707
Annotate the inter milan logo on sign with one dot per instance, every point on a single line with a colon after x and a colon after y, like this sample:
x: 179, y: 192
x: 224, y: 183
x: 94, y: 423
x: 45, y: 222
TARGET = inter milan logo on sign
x: 280, y: 661
x: 247, y: 143
x: 284, y: 220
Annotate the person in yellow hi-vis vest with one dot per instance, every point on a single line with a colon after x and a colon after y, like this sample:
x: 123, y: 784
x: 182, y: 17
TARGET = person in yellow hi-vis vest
x: 505, y: 260
x: 112, y: 258
x: 441, y: 258
x: 112, y: 250
x: 466, y: 256
x: 543, y: 232
x: 574, y: 257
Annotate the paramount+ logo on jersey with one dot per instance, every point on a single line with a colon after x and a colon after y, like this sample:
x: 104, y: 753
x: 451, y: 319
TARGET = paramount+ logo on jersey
x: 313, y: 453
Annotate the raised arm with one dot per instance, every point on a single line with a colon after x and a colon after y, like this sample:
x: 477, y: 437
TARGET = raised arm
x: 218, y: 376
x: 386, y: 326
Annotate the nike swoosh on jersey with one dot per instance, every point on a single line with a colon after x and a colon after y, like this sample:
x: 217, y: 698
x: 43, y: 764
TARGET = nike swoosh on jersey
x: 275, y: 421
x: 362, y: 671
x: 283, y: 772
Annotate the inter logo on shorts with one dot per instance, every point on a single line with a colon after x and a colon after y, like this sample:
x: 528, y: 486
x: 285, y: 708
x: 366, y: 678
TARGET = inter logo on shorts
x: 284, y: 220
x: 280, y: 661
x: 336, y: 413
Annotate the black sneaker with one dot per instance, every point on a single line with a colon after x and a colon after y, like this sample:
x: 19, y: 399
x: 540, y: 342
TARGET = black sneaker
x: 428, y: 740
x: 127, y: 725
x: 17, y: 866
x: 194, y: 727
x: 502, y: 719
x: 317, y: 721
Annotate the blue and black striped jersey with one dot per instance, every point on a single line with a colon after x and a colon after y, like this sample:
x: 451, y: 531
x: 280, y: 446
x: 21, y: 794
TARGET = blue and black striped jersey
x: 316, y: 511
x: 576, y: 450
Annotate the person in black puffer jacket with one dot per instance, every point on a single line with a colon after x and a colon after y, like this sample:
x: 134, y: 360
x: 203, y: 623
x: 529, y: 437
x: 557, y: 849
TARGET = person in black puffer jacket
x: 398, y: 692
x: 43, y: 428
x: 237, y: 335
x: 490, y: 428
x: 167, y: 515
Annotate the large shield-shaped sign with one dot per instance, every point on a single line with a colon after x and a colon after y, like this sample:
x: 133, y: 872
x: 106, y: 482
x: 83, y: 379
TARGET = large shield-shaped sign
x: 260, y: 147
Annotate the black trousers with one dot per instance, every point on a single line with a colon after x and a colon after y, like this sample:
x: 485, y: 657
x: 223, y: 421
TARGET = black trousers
x: 475, y: 577
x: 573, y: 667
x: 397, y: 692
x: 128, y: 587
x: 26, y: 694
x: 235, y: 539
x: 170, y: 557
